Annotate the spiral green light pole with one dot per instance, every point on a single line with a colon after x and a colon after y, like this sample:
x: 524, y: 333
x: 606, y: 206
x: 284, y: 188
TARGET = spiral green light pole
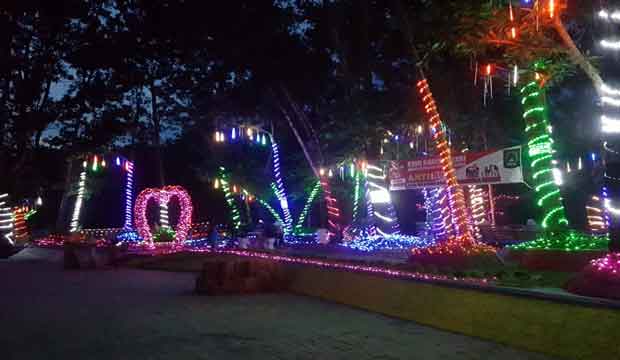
x: 546, y: 177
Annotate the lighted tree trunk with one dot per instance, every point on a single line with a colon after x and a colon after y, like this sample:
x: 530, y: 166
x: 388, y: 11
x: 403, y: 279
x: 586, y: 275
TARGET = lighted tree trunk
x: 456, y: 196
x: 546, y: 178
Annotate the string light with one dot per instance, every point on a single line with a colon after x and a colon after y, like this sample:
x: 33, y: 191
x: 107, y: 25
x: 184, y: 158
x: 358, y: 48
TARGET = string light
x: 456, y: 197
x: 546, y: 177
x: 565, y: 241
x: 357, y: 194
x: 6, y: 219
x: 129, y: 189
x: 478, y: 209
x: 363, y: 243
x: 164, y: 195
x: 333, y: 212
x: 75, y: 219
x: 281, y: 192
x: 163, y: 215
x: 610, y: 44
x: 598, y: 221
x: 605, y: 15
x: 230, y: 200
x: 302, y: 217
x: 379, y: 196
x: 367, y: 269
x: 610, y: 125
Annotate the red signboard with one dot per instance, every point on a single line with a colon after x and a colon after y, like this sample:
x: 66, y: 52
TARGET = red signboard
x: 472, y: 168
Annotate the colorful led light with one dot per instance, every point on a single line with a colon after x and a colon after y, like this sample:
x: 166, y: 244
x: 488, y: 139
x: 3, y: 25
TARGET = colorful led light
x: 463, y: 241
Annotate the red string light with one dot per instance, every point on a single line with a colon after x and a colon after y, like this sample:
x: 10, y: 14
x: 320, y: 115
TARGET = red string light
x: 333, y: 212
x: 463, y: 242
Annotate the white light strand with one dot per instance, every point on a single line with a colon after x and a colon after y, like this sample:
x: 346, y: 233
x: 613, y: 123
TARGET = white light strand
x: 610, y: 125
x: 607, y: 100
x: 609, y: 16
x: 610, y: 44
x: 75, y: 219
x: 163, y: 214
x: 6, y: 219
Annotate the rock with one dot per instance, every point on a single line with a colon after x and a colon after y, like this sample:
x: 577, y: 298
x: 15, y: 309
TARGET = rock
x: 220, y: 277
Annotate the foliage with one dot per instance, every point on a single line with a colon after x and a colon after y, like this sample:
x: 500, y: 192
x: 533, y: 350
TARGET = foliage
x: 164, y: 234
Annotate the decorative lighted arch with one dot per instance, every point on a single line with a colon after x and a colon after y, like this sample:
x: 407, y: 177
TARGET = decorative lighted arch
x: 163, y: 196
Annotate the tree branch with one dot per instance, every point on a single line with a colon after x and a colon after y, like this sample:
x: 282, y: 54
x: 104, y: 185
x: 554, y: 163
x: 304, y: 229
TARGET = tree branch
x: 577, y: 56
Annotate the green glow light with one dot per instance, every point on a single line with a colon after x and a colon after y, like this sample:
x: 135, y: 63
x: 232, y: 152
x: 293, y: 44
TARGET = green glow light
x: 542, y: 199
x: 533, y: 84
x: 302, y: 217
x: 230, y: 200
x: 529, y: 112
x: 546, y: 157
x: 541, y: 172
x: 530, y: 96
x: 544, y: 185
x: 271, y: 210
x: 552, y: 213
x: 540, y: 150
x: 356, y: 196
x: 565, y: 241
x: 537, y: 140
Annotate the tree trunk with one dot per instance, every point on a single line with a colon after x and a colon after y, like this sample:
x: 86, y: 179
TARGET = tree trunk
x: 157, y: 128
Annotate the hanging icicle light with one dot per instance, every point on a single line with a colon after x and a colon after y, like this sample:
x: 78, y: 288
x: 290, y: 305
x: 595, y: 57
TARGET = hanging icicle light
x: 515, y: 75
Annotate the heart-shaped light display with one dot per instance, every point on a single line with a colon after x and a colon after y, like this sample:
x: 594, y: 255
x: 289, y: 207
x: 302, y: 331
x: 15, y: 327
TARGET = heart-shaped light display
x: 163, y: 196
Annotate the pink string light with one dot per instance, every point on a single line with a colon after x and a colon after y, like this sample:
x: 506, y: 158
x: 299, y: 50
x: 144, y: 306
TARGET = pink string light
x: 338, y: 266
x: 163, y: 196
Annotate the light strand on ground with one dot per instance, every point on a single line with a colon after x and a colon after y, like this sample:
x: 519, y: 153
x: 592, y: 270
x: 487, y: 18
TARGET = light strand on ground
x: 402, y: 274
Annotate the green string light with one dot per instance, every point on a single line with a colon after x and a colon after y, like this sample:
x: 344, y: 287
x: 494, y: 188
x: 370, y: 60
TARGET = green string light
x: 230, y: 199
x: 356, y: 196
x: 302, y: 217
x: 540, y: 151
x: 271, y: 210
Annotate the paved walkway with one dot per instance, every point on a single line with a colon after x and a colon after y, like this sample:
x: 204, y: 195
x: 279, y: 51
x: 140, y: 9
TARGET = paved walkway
x: 47, y: 313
